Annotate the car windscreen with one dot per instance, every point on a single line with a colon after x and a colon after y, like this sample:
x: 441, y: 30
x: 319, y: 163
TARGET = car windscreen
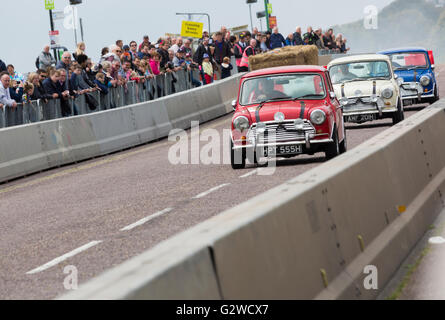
x: 285, y: 87
x: 360, y: 71
x: 408, y: 60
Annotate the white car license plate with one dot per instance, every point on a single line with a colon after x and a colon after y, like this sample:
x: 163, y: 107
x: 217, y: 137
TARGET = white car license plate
x: 283, y: 150
x: 361, y: 118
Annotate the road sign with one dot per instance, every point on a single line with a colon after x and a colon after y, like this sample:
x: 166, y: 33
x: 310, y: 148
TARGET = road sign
x: 192, y: 29
x: 54, y: 39
x: 58, y: 15
x: 272, y: 22
x: 49, y: 4
x: 269, y: 8
x: 260, y: 14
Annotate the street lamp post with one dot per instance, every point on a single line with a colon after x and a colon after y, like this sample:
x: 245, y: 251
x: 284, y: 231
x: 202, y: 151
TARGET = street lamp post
x: 249, y: 2
x: 189, y: 14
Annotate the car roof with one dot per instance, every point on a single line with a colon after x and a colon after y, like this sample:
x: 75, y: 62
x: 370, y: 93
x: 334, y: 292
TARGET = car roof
x: 406, y: 49
x: 286, y: 69
x: 358, y: 58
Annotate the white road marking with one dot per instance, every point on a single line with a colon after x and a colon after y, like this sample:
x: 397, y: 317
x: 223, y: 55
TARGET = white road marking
x: 437, y: 240
x: 147, y: 219
x: 64, y: 257
x: 249, y: 174
x: 202, y: 195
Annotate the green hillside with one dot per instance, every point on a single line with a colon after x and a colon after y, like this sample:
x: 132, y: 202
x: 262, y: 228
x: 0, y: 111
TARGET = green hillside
x: 402, y: 23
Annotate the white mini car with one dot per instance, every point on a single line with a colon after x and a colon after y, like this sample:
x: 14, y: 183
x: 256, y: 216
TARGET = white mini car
x: 367, y: 88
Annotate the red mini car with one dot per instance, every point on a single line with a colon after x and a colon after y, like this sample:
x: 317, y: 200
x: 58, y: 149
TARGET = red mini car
x: 285, y: 112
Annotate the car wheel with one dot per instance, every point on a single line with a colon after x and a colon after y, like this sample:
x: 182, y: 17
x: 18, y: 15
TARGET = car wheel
x: 344, y: 143
x: 399, y: 115
x: 436, y: 96
x: 333, y: 149
x: 237, y: 157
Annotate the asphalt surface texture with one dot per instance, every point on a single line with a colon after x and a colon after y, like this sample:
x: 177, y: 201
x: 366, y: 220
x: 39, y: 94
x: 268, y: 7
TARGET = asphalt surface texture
x: 97, y: 214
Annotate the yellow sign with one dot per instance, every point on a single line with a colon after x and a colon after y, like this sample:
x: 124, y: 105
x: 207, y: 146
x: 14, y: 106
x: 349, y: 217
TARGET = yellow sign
x: 49, y: 4
x: 192, y: 29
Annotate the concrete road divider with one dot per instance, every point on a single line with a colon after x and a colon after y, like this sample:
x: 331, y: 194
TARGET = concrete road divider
x: 35, y: 147
x: 318, y: 236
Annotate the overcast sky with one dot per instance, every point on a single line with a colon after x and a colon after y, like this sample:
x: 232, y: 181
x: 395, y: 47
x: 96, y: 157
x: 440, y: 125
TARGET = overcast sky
x: 25, y: 23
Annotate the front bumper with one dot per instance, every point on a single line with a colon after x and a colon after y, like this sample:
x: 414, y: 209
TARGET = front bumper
x: 415, y: 91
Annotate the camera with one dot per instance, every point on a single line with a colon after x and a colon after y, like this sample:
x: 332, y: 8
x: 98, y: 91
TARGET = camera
x: 170, y: 65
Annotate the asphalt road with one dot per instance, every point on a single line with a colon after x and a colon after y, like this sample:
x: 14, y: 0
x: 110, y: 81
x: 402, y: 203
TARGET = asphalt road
x: 97, y: 214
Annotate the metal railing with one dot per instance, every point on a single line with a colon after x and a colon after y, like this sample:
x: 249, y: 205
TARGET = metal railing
x: 133, y: 92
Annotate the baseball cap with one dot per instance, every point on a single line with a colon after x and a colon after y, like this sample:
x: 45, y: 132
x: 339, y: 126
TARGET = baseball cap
x: 205, y: 56
x: 126, y: 47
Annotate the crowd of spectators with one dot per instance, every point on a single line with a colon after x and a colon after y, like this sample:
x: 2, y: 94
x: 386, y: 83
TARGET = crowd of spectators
x: 76, y: 74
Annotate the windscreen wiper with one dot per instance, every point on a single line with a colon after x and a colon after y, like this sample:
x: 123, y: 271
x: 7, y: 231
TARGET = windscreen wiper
x: 309, y: 95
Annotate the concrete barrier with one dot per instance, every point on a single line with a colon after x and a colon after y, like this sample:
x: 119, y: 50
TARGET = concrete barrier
x: 312, y: 237
x: 31, y: 148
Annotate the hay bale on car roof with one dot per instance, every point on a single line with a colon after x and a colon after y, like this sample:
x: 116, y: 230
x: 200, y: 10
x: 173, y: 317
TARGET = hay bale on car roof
x: 286, y: 56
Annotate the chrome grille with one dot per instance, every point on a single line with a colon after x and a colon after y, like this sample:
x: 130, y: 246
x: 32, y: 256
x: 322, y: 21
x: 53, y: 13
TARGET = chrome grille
x: 285, y: 131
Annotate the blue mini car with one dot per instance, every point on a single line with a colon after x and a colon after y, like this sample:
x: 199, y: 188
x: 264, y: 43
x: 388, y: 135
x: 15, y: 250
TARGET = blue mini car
x: 414, y: 68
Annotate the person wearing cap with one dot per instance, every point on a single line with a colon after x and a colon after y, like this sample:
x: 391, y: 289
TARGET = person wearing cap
x: 238, y: 50
x: 146, y: 41
x: 179, y: 60
x: 207, y: 68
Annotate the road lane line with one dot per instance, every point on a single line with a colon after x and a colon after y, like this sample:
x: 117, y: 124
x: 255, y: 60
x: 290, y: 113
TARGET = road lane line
x: 145, y: 220
x: 249, y: 174
x: 202, y: 195
x: 63, y: 258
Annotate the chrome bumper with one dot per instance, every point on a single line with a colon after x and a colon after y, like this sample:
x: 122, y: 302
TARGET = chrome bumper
x: 281, y: 144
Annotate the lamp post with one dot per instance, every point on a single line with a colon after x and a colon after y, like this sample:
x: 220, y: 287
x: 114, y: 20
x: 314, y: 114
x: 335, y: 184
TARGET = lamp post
x: 249, y: 2
x: 189, y: 14
x: 73, y: 3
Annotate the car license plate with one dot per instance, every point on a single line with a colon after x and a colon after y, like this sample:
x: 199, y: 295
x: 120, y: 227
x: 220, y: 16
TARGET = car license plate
x: 361, y: 118
x: 283, y: 150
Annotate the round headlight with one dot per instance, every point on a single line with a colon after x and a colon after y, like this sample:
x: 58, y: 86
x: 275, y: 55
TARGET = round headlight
x: 279, y: 117
x: 241, y: 124
x: 318, y: 117
x: 425, y: 81
x: 387, y: 93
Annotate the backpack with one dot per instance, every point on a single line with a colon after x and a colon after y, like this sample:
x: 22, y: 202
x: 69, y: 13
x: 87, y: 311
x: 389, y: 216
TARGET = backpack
x: 38, y: 63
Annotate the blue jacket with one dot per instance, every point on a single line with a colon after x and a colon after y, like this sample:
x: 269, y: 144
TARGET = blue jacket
x: 277, y: 41
x: 102, y: 86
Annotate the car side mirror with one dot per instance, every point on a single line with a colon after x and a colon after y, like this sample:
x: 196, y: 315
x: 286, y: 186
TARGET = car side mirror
x: 396, y: 76
x: 333, y: 95
x: 234, y: 102
x: 433, y: 67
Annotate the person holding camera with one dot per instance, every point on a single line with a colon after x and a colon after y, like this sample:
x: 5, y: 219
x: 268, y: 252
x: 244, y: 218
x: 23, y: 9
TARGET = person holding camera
x: 190, y: 67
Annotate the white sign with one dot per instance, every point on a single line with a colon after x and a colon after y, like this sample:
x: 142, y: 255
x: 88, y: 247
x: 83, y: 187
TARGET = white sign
x: 58, y: 15
x: 70, y: 18
x: 54, y: 39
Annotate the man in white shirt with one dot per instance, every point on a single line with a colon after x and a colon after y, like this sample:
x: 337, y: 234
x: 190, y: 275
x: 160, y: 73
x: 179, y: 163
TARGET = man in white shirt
x: 5, y: 97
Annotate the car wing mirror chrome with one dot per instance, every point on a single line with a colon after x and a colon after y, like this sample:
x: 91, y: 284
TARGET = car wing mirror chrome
x: 332, y: 95
x: 433, y: 67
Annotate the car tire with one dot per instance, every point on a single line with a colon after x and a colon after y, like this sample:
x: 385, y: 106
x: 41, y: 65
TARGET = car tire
x: 333, y: 149
x: 237, y: 157
x: 344, y: 143
x: 398, y: 116
x: 436, y: 96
